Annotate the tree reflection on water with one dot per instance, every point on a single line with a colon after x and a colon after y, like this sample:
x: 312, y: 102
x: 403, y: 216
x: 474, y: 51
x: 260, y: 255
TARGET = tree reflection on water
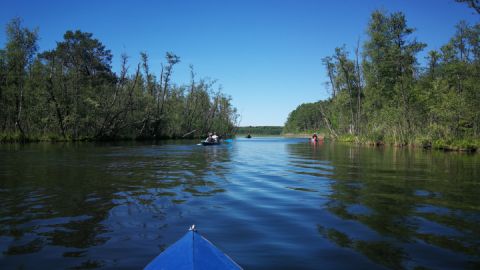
x: 79, y: 200
x: 400, y: 207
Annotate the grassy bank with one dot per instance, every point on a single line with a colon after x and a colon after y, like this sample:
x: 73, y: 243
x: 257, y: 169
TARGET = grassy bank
x: 463, y: 145
x: 19, y: 138
x: 469, y: 145
x: 322, y: 133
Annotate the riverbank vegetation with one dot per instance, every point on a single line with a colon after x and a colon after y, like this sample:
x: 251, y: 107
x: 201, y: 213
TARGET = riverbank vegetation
x: 72, y: 93
x: 382, y: 92
x: 260, y: 130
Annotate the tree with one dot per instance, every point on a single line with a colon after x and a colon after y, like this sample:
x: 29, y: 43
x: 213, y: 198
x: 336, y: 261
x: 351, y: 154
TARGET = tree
x: 475, y: 4
x: 390, y: 69
x: 17, y: 58
x: 80, y: 78
x: 71, y: 93
x: 398, y: 101
x: 454, y: 94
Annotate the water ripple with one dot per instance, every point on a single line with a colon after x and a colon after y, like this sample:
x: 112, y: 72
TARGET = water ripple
x: 270, y: 203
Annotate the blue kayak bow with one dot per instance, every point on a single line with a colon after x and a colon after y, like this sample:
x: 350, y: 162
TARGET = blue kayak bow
x: 192, y: 251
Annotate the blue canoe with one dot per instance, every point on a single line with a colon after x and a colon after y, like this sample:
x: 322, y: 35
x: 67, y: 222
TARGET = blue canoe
x: 192, y: 251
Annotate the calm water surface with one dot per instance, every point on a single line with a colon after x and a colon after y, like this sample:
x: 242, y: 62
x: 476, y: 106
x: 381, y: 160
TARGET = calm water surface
x: 270, y: 203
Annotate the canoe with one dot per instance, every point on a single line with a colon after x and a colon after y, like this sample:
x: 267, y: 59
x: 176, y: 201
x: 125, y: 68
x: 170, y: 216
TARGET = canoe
x: 210, y: 143
x: 192, y: 251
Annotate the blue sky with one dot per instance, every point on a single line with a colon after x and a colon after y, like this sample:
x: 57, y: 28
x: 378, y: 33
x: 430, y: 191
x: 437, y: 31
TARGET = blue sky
x: 265, y: 54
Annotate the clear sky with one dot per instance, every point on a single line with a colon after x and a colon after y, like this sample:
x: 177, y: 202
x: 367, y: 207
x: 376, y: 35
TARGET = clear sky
x: 265, y: 54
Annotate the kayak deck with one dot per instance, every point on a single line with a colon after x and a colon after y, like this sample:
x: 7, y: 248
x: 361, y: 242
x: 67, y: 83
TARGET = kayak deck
x: 192, y: 251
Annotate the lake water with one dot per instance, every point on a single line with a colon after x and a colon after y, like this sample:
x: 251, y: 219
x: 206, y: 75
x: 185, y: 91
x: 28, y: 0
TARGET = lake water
x: 269, y: 203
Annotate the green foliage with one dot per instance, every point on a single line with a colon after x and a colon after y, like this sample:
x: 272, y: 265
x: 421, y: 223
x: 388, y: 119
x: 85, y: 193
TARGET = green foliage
x: 468, y: 145
x: 387, y: 97
x: 260, y: 130
x: 16, y: 61
x: 71, y: 93
x: 303, y: 118
x: 347, y: 138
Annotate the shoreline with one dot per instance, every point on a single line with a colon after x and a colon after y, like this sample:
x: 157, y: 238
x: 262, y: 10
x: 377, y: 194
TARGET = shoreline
x: 15, y: 139
x: 445, y: 145
x: 460, y: 145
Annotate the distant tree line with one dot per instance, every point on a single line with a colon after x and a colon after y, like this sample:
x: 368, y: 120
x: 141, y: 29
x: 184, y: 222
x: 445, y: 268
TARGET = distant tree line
x: 260, y: 130
x: 383, y: 94
x: 71, y: 93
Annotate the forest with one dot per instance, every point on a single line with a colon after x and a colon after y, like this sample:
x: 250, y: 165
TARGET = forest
x: 260, y: 130
x: 71, y: 93
x: 381, y: 92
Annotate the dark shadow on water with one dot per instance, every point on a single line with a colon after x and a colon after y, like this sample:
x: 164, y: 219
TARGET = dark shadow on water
x: 83, y: 202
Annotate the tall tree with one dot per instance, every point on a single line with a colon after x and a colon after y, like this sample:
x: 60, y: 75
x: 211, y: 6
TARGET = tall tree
x: 390, y: 69
x: 80, y: 71
x: 18, y: 57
